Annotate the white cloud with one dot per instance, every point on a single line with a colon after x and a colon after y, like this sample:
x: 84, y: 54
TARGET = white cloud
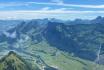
x: 13, y: 4
x: 61, y: 13
x: 69, y: 5
x: 57, y: 1
x: 53, y: 2
x: 11, y: 35
x: 58, y: 9
x: 45, y: 8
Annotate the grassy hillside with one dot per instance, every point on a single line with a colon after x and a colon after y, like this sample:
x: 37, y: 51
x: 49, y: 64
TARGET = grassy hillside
x: 13, y: 62
x: 62, y: 60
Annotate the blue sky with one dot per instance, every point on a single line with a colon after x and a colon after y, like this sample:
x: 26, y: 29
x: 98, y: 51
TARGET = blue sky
x: 61, y: 9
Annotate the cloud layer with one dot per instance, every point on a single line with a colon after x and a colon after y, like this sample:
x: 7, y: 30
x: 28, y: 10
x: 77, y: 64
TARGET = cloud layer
x: 47, y: 10
x: 54, y: 2
x: 60, y: 14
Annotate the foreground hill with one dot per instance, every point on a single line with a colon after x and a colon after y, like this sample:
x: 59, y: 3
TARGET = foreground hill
x: 13, y: 62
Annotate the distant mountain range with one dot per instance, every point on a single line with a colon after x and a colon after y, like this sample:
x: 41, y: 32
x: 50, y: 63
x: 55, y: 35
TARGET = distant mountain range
x: 7, y: 24
x: 79, y: 38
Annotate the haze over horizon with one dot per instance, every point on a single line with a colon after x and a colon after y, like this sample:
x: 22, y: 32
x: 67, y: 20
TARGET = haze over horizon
x: 60, y: 9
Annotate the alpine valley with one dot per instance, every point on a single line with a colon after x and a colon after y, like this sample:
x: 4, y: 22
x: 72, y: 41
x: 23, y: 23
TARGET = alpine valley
x: 52, y: 44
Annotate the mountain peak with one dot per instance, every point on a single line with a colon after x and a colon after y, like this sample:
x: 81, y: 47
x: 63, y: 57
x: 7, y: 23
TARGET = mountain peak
x: 12, y: 53
x: 13, y: 62
x: 99, y: 17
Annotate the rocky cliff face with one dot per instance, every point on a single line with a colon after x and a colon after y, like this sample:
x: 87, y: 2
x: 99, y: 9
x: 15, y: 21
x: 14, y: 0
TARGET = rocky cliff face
x: 81, y: 39
x: 42, y: 40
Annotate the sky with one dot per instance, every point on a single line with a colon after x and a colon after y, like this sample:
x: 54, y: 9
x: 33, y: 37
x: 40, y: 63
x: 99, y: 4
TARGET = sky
x: 60, y: 9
